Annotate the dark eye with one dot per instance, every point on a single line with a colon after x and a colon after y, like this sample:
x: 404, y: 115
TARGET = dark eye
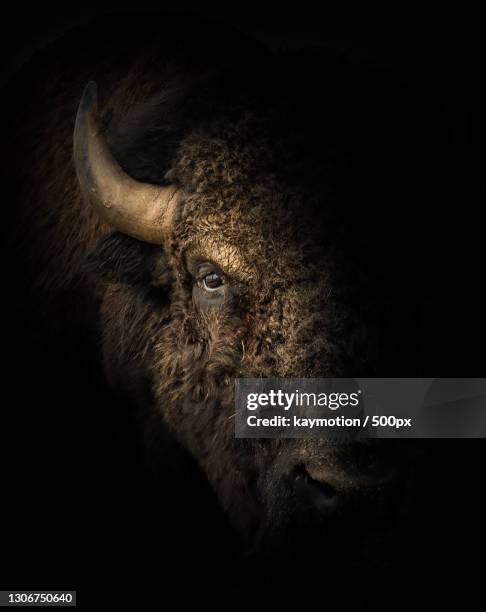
x: 212, y: 281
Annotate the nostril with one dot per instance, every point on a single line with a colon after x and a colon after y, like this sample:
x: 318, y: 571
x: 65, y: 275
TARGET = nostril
x: 321, y: 494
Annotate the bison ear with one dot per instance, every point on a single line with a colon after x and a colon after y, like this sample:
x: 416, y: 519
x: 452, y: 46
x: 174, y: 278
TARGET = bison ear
x: 121, y: 259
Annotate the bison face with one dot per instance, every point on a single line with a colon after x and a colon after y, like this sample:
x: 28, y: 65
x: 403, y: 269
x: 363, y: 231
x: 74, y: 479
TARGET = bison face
x: 253, y: 262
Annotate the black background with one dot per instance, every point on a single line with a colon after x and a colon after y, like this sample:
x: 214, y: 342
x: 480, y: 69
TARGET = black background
x: 57, y: 544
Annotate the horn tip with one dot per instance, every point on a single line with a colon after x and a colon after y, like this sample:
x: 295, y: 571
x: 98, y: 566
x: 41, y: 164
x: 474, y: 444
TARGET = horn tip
x: 89, y: 98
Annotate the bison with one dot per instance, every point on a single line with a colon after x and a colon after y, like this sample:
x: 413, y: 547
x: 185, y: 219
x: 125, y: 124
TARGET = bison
x: 191, y: 209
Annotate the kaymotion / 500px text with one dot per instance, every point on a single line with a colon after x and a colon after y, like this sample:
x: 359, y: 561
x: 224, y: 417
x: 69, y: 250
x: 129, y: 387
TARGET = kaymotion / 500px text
x: 340, y: 421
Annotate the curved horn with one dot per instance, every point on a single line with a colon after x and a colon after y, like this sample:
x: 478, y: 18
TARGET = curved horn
x: 137, y: 209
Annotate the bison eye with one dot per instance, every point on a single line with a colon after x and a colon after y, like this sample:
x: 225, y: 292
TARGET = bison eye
x: 212, y: 281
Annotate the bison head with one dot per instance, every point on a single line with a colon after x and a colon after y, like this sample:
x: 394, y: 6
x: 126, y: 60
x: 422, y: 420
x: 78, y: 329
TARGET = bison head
x: 261, y: 231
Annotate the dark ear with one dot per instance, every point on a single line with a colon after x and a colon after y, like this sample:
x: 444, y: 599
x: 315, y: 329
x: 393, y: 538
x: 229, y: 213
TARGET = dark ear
x: 121, y: 259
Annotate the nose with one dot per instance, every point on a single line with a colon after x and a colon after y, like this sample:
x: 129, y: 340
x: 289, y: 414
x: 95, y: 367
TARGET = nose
x: 318, y: 492
x: 331, y: 489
